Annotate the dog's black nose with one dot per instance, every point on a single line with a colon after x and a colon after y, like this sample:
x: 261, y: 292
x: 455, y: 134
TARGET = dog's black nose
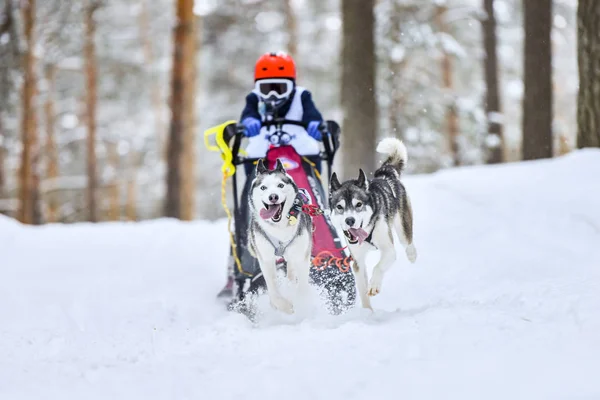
x: 273, y: 198
x: 350, y: 221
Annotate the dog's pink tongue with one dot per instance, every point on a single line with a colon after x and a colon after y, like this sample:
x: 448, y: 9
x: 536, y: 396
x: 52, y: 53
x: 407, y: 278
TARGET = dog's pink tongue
x: 267, y: 213
x: 360, y: 234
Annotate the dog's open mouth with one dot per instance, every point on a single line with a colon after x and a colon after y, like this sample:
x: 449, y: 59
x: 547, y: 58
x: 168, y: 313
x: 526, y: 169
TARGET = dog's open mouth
x: 356, y: 235
x: 272, y: 211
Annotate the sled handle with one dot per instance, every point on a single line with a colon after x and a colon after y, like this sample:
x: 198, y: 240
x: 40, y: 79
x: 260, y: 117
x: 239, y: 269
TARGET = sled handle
x: 221, y: 146
x: 217, y: 132
x: 281, y: 121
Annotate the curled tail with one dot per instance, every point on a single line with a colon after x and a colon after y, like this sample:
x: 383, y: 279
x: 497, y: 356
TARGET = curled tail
x: 395, y: 151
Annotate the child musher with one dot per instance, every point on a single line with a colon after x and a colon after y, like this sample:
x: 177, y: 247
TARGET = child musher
x: 276, y: 95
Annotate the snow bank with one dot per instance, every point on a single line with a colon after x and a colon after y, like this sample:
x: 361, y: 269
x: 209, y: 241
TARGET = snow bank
x: 503, y: 302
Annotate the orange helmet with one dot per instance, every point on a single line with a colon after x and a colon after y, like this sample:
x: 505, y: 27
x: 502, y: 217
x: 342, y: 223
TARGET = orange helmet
x: 275, y: 65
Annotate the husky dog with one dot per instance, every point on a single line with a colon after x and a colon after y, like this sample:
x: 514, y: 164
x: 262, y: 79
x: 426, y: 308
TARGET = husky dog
x: 367, y: 209
x: 275, y: 233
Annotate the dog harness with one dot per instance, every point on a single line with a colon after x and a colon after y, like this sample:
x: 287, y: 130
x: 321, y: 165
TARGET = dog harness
x: 280, y: 247
x: 301, y: 199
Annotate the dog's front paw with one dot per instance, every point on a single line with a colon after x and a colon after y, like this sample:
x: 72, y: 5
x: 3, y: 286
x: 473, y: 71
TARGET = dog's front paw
x: 411, y: 253
x: 374, y: 289
x: 282, y: 304
x: 375, y: 284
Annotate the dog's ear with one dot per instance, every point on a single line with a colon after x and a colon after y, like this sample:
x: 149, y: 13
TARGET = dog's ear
x: 279, y: 166
x: 334, y: 183
x: 260, y: 167
x: 362, y: 179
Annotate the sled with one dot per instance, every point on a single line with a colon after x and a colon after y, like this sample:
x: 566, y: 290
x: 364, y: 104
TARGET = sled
x: 331, y: 261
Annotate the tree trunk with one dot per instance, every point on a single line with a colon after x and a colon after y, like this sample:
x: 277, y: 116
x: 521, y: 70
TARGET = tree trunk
x: 358, y: 86
x: 188, y: 197
x: 130, y: 208
x: 131, y: 200
x: 2, y: 173
x: 2, y: 156
x: 537, y: 100
x: 492, y: 96
x: 157, y: 104
x: 29, y: 212
x: 90, y: 72
x: 448, y: 84
x: 51, y: 147
x: 130, y: 204
x: 292, y: 28
x: 395, y: 67
x: 182, y: 104
x: 588, y: 57
x: 114, y: 208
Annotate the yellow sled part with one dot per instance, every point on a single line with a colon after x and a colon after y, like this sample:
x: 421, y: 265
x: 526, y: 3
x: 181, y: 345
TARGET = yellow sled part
x: 221, y: 146
x: 228, y: 170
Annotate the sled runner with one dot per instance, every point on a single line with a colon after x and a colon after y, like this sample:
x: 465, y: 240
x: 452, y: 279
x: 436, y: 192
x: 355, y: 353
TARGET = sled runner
x: 330, y: 267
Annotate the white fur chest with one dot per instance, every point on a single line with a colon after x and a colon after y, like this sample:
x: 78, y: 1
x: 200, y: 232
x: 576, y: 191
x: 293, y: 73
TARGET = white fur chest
x: 282, y: 230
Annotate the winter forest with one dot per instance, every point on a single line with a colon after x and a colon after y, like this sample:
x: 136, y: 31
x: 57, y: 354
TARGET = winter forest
x: 89, y: 103
x: 453, y: 255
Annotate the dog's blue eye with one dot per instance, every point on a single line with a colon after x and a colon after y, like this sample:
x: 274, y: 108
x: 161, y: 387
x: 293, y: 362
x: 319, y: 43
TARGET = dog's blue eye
x: 263, y: 187
x: 280, y: 186
x: 339, y: 207
x: 358, y: 205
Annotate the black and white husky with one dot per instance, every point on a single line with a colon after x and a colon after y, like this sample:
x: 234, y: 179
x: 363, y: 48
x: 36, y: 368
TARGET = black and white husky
x: 367, y: 209
x: 276, y: 231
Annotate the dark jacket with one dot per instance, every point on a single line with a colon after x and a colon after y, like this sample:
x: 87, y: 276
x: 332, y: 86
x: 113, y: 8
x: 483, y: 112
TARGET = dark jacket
x: 310, y: 110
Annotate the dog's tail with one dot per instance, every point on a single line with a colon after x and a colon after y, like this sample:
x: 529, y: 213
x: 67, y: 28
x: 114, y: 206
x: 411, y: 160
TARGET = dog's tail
x: 395, y: 151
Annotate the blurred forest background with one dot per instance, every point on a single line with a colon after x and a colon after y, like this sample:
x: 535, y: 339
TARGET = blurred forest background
x: 103, y: 102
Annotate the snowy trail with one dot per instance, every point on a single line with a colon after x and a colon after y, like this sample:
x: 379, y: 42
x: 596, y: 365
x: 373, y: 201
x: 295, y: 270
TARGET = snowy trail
x: 503, y: 302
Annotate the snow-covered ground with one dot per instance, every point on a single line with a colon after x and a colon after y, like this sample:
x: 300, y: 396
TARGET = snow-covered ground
x: 503, y: 303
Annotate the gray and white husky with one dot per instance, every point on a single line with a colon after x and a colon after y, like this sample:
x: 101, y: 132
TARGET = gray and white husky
x: 275, y: 233
x: 367, y: 209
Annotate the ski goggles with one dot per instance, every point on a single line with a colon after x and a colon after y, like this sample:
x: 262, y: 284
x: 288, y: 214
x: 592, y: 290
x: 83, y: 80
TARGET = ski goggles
x: 278, y: 88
